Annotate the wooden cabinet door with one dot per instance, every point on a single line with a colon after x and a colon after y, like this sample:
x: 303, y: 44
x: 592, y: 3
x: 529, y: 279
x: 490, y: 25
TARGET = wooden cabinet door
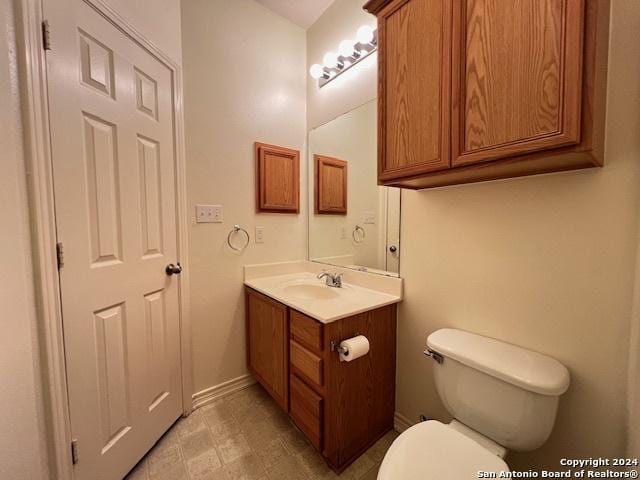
x: 414, y: 39
x: 517, y: 77
x: 267, y: 338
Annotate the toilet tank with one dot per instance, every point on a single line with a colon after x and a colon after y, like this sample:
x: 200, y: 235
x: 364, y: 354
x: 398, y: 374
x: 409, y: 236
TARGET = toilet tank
x: 507, y: 393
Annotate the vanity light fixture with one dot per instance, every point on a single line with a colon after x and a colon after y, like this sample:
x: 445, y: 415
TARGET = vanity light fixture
x: 350, y: 53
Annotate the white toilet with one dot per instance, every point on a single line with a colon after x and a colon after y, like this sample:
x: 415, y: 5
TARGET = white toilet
x: 500, y: 396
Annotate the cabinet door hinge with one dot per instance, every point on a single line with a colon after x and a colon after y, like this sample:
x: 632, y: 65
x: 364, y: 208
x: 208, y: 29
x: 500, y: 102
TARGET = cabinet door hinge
x: 46, y: 35
x: 60, y: 254
x: 74, y: 451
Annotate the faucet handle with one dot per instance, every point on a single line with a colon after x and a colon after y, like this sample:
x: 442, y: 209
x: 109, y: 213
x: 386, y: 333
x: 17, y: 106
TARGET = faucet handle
x: 337, y: 279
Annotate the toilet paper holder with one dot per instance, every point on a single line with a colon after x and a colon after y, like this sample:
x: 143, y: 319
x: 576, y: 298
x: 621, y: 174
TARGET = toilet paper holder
x: 335, y: 346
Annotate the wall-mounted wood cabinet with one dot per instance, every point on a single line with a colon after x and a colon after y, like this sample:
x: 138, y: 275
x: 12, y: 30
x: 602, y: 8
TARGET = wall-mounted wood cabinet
x: 342, y: 407
x: 277, y: 179
x: 473, y: 90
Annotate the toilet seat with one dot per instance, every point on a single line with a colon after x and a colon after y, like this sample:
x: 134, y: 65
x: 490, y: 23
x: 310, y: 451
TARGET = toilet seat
x: 434, y: 451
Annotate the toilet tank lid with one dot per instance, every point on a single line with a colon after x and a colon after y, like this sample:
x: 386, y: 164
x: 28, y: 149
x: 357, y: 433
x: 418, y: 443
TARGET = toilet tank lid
x: 518, y: 366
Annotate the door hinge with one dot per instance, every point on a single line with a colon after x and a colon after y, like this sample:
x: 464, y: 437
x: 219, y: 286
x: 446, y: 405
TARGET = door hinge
x: 60, y: 254
x: 46, y: 35
x: 74, y: 451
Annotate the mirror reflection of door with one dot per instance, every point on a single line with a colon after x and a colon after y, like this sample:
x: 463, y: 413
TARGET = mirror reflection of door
x: 364, y: 233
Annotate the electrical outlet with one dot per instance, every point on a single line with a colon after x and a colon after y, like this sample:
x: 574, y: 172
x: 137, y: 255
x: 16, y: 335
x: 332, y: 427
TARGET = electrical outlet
x: 343, y: 233
x: 369, y: 218
x: 209, y: 213
x: 259, y: 234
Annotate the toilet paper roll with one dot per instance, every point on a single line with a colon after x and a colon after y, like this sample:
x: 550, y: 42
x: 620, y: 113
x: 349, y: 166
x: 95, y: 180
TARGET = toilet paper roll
x: 353, y: 348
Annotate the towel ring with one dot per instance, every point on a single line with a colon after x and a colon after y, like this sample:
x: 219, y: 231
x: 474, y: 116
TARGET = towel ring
x: 358, y: 238
x: 236, y: 229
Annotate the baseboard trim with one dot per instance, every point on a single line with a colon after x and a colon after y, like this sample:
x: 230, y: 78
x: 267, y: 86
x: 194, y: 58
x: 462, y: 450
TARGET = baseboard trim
x: 401, y: 423
x: 208, y: 395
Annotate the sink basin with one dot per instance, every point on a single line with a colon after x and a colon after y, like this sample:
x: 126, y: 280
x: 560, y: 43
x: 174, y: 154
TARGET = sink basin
x: 307, y: 291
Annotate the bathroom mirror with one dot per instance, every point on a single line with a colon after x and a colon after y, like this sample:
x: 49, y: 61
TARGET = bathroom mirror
x: 353, y: 222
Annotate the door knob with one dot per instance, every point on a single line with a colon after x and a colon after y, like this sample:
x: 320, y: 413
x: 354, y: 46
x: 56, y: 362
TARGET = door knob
x: 393, y: 249
x: 173, y: 269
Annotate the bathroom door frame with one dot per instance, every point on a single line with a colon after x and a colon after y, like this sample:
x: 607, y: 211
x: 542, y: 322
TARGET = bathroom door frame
x: 35, y: 116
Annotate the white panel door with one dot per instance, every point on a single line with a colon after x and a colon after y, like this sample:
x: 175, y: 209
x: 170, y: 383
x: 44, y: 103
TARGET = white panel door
x: 112, y: 138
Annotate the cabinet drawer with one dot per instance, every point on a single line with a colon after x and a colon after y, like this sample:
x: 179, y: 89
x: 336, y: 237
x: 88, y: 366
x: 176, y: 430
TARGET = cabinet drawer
x: 306, y: 330
x: 307, y: 363
x: 306, y: 410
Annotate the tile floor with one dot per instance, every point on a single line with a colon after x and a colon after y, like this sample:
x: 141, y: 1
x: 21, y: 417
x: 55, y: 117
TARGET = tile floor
x: 245, y: 436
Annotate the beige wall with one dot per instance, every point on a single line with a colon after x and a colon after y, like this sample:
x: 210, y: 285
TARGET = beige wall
x: 244, y: 71
x: 22, y: 452
x: 545, y: 262
x: 353, y: 88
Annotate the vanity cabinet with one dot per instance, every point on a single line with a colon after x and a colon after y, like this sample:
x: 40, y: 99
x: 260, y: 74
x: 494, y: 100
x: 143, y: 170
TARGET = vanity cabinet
x: 342, y: 407
x: 473, y: 90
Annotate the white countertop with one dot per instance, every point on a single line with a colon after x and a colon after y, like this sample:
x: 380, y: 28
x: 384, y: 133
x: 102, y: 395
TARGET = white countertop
x: 303, y: 292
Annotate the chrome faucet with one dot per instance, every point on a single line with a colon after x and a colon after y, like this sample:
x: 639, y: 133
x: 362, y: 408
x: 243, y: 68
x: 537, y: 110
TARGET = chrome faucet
x: 331, y: 280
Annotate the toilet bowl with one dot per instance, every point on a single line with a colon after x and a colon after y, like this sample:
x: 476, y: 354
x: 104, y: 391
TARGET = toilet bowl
x: 433, y: 450
x: 501, y: 397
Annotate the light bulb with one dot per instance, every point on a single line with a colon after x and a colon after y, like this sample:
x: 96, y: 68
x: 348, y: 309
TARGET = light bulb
x: 365, y: 34
x: 316, y: 71
x: 330, y: 60
x: 346, y: 48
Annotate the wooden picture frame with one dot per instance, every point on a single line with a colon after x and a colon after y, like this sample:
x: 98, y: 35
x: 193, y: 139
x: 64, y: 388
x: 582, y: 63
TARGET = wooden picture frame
x: 330, y: 185
x: 277, y: 179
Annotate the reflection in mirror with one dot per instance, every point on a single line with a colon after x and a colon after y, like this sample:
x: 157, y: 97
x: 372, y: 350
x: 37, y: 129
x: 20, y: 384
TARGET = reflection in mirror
x: 353, y: 222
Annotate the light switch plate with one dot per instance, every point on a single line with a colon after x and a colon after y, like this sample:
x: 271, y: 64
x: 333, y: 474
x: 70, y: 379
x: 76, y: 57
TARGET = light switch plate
x: 259, y: 234
x: 209, y: 213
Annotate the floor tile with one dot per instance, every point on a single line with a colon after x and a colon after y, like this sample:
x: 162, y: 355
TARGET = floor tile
x: 289, y: 468
x: 220, y: 412
x: 233, y: 448
x: 316, y: 467
x: 175, y: 471
x: 191, y: 424
x: 259, y: 434
x: 246, y: 436
x: 196, y: 443
x: 160, y: 460
x: 247, y: 467
x: 372, y: 474
x: 203, y: 466
x: 272, y: 453
x: 221, y: 430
